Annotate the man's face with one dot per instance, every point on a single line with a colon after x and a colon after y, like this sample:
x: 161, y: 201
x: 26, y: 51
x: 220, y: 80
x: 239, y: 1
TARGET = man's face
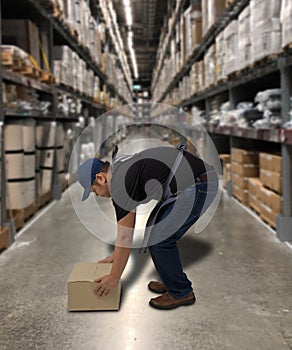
x: 100, y: 186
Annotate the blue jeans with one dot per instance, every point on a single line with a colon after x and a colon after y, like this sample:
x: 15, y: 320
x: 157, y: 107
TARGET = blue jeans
x: 165, y: 255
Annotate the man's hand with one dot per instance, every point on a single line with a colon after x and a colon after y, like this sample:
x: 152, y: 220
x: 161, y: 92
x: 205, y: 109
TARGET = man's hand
x: 108, y: 259
x: 105, y: 285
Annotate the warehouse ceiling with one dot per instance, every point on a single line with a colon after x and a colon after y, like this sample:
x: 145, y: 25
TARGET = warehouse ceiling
x: 147, y: 25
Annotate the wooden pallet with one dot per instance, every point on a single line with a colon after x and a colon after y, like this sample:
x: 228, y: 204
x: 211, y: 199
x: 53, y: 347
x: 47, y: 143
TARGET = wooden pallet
x: 64, y: 185
x: 30, y: 210
x: 18, y: 217
x: 44, y: 199
x: 240, y: 199
x: 268, y: 221
x: 264, y: 60
x: 31, y: 72
x: 254, y: 208
x: 287, y: 47
x: 12, y: 62
x: 4, y: 239
x: 47, y: 77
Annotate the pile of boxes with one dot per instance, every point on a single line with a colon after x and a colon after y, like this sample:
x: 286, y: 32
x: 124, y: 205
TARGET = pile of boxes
x: 244, y: 164
x: 226, y: 166
x: 72, y: 71
x: 258, y: 32
x: 256, y: 181
x: 271, y: 179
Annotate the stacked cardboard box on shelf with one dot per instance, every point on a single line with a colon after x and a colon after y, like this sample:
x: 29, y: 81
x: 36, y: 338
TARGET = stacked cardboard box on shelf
x: 286, y: 21
x: 226, y: 162
x: 255, y: 194
x: 265, y: 28
x: 244, y: 164
x: 230, y: 48
x: 244, y: 39
x: 210, y: 66
x: 271, y: 179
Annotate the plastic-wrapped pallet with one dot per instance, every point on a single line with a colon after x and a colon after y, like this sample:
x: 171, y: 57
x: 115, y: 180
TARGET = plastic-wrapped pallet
x: 220, y: 56
x: 210, y: 66
x: 231, y: 47
x: 286, y: 21
x: 244, y: 39
x: 265, y: 27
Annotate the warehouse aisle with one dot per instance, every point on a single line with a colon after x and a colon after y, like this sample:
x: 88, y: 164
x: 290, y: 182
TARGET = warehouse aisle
x: 242, y: 277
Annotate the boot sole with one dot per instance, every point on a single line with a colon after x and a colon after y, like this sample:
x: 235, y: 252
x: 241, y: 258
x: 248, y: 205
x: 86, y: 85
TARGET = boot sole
x: 174, y: 306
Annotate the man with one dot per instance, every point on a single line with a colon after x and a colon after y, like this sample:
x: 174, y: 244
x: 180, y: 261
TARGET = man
x: 184, y: 186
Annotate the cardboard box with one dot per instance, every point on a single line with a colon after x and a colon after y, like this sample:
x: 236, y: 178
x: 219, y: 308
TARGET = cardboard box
x: 254, y: 203
x: 240, y: 194
x: 239, y: 181
x: 226, y: 173
x: 254, y: 187
x: 271, y: 200
x: 245, y: 170
x: 243, y: 156
x: 4, y: 238
x: 80, y: 288
x: 24, y: 34
x: 226, y: 158
x: 268, y: 215
x: 270, y: 162
x: 271, y: 180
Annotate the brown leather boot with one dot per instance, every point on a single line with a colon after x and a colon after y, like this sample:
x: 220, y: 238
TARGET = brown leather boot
x: 157, y: 287
x: 167, y: 302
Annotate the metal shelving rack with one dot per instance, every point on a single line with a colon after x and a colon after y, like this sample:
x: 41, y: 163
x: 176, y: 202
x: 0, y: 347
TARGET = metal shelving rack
x: 55, y: 30
x: 279, y: 67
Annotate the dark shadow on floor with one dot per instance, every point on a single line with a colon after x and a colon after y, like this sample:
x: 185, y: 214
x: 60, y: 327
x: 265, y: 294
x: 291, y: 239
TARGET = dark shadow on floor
x: 192, y: 249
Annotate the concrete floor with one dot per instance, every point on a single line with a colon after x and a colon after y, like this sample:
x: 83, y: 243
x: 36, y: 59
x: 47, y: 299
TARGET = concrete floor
x: 241, y: 273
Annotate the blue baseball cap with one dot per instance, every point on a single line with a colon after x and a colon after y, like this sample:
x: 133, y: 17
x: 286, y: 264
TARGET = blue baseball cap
x: 86, y: 174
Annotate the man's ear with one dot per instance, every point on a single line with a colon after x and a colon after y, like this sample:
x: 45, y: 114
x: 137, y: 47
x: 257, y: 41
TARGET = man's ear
x: 100, y: 178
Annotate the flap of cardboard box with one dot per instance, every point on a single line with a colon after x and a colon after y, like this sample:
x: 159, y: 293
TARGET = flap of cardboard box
x: 88, y: 272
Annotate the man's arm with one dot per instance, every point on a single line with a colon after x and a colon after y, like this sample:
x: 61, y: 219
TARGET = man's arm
x: 125, y: 231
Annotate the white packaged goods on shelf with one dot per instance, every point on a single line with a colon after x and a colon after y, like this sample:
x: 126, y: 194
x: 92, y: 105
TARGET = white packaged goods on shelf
x: 268, y: 39
x: 46, y: 180
x: 265, y: 27
x: 15, y: 195
x: 60, y: 136
x: 28, y: 131
x: 20, y: 194
x: 210, y: 66
x: 29, y: 166
x: 244, y: 39
x: 46, y: 158
x: 13, y: 136
x: 45, y: 134
x: 286, y: 20
x: 60, y: 155
x: 14, y: 166
x: 220, y: 56
x: 231, y: 47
